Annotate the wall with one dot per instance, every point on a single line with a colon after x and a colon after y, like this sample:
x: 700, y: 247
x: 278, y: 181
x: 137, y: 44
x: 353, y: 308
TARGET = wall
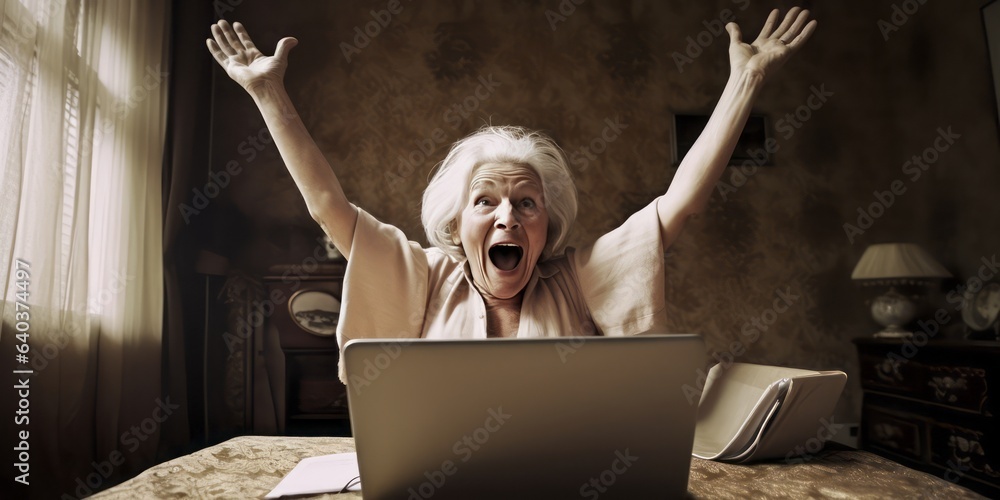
x: 865, y: 104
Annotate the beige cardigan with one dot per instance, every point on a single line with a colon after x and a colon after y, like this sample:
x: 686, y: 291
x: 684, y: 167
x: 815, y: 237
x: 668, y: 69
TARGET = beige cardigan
x: 393, y: 288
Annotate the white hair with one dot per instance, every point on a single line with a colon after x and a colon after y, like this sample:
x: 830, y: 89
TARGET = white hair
x: 448, y: 189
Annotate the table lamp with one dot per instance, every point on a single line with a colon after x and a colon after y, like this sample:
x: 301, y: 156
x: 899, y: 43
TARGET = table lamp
x: 892, y: 265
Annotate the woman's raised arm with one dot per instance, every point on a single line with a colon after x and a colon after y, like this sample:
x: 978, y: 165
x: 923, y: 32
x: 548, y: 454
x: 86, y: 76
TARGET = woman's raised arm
x: 750, y: 64
x: 262, y: 77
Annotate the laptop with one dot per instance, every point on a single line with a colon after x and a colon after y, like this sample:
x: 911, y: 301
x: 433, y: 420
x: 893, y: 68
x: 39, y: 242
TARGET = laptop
x: 569, y: 417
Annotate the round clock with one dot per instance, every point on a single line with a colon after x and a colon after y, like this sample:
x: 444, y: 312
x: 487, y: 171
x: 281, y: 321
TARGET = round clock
x: 980, y: 309
x: 315, y: 311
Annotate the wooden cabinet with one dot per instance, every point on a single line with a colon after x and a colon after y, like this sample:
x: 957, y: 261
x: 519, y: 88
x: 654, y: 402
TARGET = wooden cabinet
x: 934, y: 407
x: 300, y: 351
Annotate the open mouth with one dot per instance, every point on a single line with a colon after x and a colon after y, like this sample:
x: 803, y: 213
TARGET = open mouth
x: 506, y: 256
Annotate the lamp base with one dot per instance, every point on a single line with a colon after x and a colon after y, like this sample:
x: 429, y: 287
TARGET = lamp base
x: 893, y: 310
x: 893, y: 333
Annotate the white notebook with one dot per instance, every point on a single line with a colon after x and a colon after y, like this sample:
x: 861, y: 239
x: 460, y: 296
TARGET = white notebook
x: 752, y: 412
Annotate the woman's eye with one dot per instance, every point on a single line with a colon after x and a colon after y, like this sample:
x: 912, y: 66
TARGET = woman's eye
x: 482, y: 202
x: 527, y: 203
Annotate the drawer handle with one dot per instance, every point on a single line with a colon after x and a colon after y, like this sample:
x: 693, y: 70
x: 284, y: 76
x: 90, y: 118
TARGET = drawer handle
x: 945, y: 388
x: 888, y: 370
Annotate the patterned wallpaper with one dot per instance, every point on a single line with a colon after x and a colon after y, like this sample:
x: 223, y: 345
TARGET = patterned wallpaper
x: 764, y: 273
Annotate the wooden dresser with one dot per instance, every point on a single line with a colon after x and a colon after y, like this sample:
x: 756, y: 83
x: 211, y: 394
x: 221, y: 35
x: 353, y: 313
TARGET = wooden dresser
x: 300, y: 351
x: 934, y: 407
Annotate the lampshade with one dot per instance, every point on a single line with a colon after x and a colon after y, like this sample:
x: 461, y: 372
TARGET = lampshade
x: 897, y: 261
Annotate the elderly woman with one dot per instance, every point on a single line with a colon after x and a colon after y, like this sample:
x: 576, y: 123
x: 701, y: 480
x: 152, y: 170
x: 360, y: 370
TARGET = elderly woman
x: 497, y: 212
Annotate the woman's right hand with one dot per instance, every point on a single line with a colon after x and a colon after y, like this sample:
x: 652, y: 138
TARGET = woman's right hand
x: 244, y: 63
x: 262, y: 76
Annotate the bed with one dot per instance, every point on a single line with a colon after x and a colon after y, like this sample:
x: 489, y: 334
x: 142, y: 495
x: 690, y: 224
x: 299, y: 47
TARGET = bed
x: 250, y: 466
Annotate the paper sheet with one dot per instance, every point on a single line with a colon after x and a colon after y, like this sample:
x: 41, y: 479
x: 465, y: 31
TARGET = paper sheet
x: 323, y: 474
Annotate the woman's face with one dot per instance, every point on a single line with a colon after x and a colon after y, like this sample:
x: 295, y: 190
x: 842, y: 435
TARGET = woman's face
x: 503, y: 227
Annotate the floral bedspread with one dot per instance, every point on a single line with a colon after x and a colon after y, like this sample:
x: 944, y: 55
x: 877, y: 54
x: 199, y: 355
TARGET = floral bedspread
x: 251, y: 466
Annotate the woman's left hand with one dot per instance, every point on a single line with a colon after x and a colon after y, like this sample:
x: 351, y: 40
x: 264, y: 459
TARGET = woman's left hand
x: 773, y: 46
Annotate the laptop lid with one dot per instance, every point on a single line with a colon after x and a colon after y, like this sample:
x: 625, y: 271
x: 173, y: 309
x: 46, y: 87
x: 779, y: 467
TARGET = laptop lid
x: 570, y: 417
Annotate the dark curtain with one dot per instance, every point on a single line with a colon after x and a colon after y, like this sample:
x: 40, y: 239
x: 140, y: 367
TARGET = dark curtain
x: 186, y: 162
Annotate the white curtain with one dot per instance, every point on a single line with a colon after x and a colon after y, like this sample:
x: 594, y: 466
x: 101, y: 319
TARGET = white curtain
x: 82, y: 120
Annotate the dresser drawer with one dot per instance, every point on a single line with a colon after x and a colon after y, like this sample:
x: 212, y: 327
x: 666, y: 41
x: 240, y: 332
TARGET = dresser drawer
x: 884, y: 372
x: 893, y: 432
x: 960, y: 387
x: 957, y: 382
x: 313, y: 386
x: 966, y: 450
